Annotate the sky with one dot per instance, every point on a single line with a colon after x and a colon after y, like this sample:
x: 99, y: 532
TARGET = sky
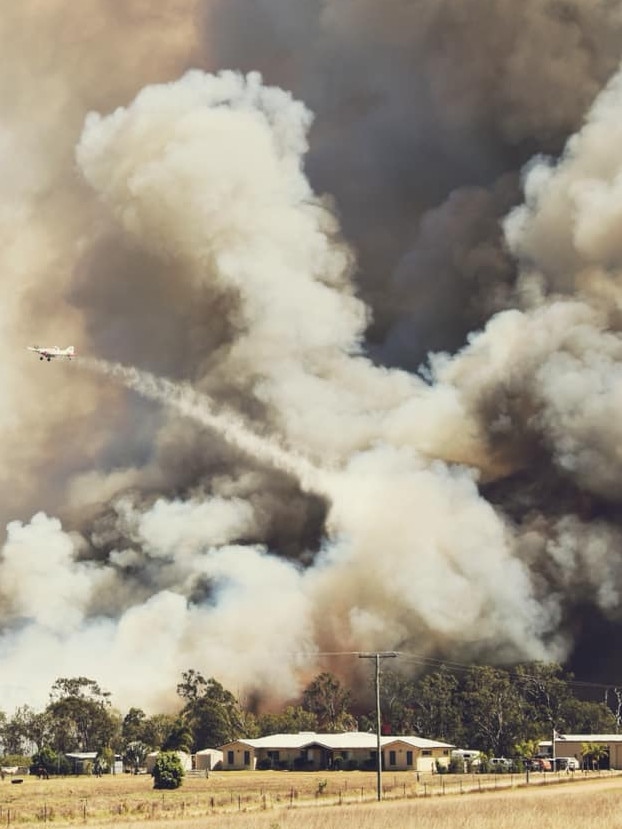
x: 344, y: 284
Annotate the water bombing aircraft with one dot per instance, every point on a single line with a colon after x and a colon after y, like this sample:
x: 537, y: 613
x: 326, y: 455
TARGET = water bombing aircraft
x: 48, y: 353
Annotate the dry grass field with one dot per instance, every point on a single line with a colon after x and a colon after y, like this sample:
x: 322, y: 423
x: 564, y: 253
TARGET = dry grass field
x: 278, y: 800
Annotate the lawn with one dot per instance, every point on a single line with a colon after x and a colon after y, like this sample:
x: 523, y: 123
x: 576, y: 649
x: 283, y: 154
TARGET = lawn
x: 272, y: 800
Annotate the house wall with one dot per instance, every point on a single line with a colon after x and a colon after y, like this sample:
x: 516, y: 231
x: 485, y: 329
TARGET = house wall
x: 239, y: 757
x: 279, y: 758
x: 208, y: 760
x: 397, y: 756
x: 186, y: 760
x: 570, y: 748
x: 400, y: 756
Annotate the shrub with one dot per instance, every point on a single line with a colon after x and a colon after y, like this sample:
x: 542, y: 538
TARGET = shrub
x: 47, y: 762
x: 457, y: 765
x: 167, y: 771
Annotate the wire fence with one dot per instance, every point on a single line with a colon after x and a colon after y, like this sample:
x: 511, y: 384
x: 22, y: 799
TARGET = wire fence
x: 329, y: 791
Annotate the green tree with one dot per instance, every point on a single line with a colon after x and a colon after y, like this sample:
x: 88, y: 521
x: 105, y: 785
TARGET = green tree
x: 212, y: 713
x: 80, y: 716
x: 14, y: 737
x: 330, y: 702
x: 25, y: 731
x: 179, y: 737
x: 104, y: 761
x: 397, y: 695
x: 193, y: 686
x: 493, y: 713
x: 437, y: 707
x: 527, y: 749
x: 593, y: 754
x: 47, y: 761
x: 133, y: 725
x: 135, y: 754
x: 157, y: 728
x: 547, y: 694
x: 588, y: 717
x: 79, y: 686
x: 167, y: 772
x: 37, y: 728
x: 290, y: 721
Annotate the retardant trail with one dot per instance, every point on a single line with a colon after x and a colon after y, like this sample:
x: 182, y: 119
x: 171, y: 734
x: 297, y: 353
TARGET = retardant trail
x: 198, y: 407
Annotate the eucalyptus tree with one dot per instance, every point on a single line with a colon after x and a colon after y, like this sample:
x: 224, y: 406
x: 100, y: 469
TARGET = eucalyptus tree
x: 80, y: 716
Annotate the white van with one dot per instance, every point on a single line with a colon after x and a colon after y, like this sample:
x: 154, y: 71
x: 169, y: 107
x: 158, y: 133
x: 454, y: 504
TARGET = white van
x: 470, y: 756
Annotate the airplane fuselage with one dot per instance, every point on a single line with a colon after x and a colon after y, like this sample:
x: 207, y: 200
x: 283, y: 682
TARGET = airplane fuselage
x: 51, y: 352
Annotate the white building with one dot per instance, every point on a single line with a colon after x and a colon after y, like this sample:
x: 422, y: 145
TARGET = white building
x: 308, y: 751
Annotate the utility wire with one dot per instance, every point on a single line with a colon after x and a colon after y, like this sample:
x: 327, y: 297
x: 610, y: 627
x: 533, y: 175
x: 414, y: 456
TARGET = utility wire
x: 452, y: 665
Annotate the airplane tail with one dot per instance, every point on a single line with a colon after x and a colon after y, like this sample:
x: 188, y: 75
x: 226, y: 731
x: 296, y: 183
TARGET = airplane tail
x: 71, y: 351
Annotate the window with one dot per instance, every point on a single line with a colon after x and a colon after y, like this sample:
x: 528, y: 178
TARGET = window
x: 426, y: 752
x: 409, y: 758
x: 247, y: 758
x: 274, y: 755
x: 392, y: 758
x: 230, y: 758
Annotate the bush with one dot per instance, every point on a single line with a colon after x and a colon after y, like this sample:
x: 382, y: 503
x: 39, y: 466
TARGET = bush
x: 47, y: 762
x: 167, y: 771
x: 457, y: 765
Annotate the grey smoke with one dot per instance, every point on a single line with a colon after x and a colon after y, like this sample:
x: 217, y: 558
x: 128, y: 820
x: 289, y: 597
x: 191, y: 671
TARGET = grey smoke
x: 261, y: 246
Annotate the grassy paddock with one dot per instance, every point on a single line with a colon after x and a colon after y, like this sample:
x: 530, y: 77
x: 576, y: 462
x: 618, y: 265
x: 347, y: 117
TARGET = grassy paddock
x: 277, y: 800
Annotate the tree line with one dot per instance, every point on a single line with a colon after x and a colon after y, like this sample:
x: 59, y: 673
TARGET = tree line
x: 491, y: 709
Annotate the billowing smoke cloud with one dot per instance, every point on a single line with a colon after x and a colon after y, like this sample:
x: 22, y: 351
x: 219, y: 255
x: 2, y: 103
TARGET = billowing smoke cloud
x: 427, y: 111
x: 240, y: 476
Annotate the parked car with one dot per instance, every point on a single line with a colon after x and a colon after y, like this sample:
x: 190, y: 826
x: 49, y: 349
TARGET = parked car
x: 500, y: 764
x: 538, y: 764
x: 567, y: 763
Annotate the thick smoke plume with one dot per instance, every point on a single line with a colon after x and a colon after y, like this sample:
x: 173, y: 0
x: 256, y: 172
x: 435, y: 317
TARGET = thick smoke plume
x: 347, y: 377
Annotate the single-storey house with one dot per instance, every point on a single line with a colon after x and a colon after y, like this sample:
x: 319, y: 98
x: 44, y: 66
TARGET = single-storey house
x: 571, y: 745
x: 207, y: 759
x: 308, y: 751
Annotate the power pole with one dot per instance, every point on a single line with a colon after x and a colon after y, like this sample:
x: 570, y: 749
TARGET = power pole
x: 378, y: 656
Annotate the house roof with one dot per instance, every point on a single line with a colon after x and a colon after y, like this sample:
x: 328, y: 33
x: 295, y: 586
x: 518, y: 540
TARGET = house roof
x: 344, y: 740
x: 586, y: 738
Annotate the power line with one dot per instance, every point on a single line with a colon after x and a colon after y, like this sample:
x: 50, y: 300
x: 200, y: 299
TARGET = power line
x: 431, y: 661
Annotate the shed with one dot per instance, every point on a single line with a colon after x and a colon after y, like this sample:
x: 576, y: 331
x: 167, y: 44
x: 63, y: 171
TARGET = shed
x: 186, y: 760
x: 208, y: 759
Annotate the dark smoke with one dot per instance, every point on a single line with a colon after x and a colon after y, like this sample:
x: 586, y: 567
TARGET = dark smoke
x: 416, y: 102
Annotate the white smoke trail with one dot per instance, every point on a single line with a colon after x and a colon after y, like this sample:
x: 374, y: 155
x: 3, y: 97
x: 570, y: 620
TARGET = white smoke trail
x: 198, y: 407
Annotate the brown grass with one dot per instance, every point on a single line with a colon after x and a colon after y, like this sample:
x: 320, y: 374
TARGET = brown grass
x: 279, y: 800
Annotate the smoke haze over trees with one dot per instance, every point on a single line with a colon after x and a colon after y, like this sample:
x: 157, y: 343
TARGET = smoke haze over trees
x: 344, y: 283
x: 484, y: 708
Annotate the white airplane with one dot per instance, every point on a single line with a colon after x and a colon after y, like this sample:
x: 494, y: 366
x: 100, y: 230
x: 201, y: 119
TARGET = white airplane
x: 47, y: 353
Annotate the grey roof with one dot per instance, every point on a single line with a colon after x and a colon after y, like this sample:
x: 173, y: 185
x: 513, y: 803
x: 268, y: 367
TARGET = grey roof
x: 587, y: 738
x: 344, y: 740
